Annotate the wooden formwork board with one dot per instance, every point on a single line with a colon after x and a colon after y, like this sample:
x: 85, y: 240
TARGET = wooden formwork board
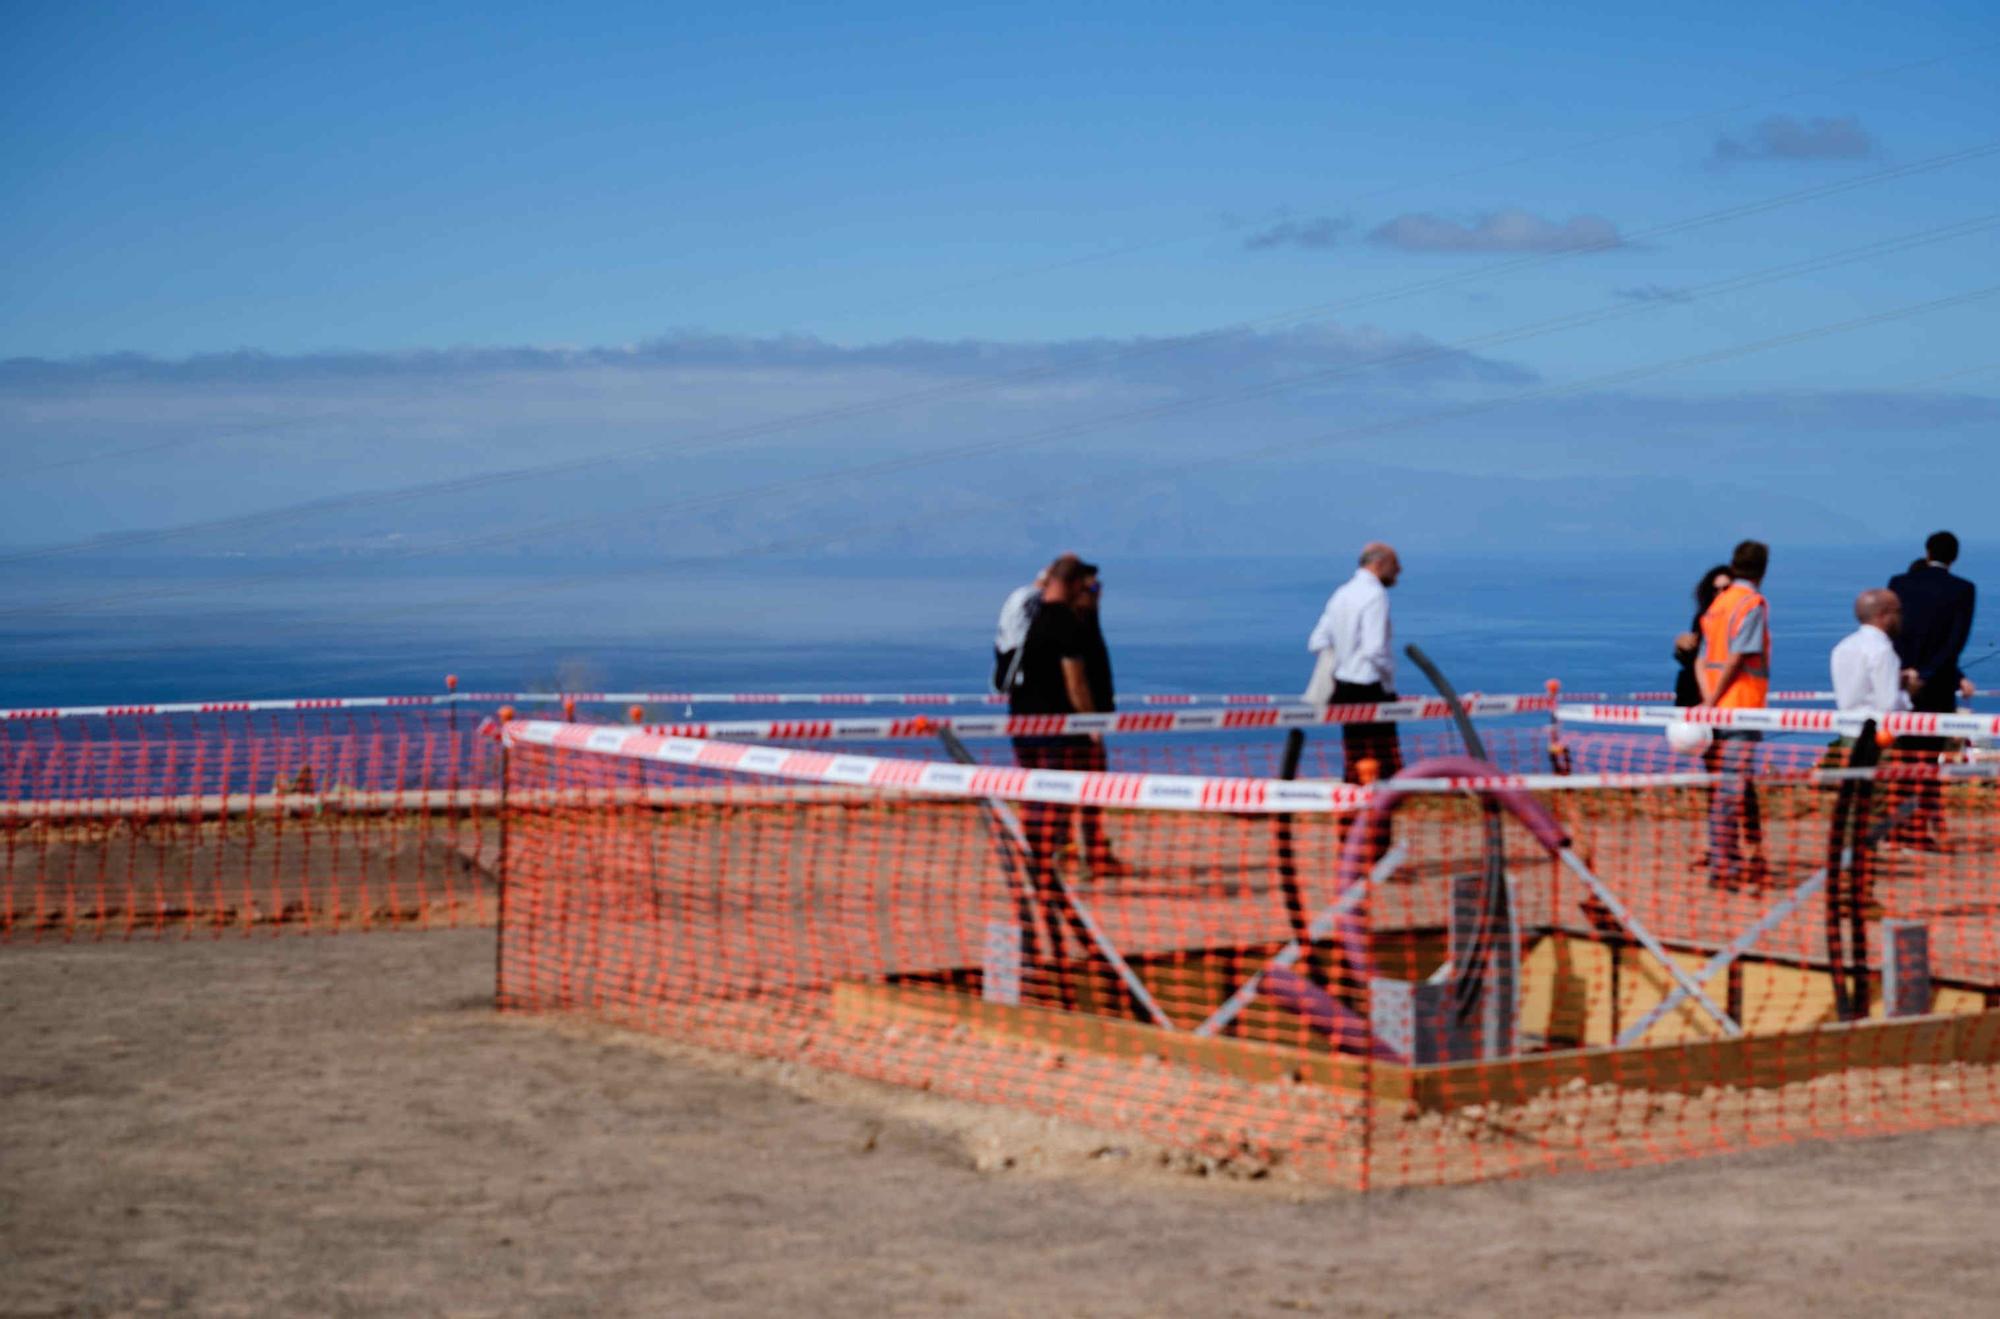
x: 1687, y: 1066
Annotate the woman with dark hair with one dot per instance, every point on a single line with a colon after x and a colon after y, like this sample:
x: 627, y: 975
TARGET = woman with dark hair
x: 1687, y: 645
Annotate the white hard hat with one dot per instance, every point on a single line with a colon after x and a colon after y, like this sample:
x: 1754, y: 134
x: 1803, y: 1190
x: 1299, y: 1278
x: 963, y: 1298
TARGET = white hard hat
x: 1689, y: 739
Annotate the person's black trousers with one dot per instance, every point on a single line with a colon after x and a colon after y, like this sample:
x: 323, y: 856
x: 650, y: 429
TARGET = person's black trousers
x: 1376, y: 742
x: 1047, y: 824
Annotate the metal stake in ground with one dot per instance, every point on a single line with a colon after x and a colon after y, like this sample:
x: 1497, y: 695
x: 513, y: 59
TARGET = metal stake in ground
x: 1847, y: 842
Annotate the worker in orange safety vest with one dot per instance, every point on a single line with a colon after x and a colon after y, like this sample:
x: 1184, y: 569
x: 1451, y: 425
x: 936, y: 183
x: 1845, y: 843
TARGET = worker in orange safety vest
x: 1735, y: 666
x: 1734, y: 670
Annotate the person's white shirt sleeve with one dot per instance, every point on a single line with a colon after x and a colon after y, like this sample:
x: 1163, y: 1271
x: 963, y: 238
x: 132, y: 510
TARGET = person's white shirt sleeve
x: 1321, y: 637
x: 1361, y: 632
x: 1867, y: 677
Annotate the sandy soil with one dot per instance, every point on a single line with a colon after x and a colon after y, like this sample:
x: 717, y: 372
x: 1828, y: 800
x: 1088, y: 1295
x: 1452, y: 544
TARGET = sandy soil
x: 341, y: 1125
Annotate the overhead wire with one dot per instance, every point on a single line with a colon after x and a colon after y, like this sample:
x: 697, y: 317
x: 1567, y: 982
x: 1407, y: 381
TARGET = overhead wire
x: 97, y: 456
x: 1179, y: 407
x: 726, y: 436
x: 1128, y: 249
x: 1455, y: 176
x: 909, y: 462
x: 870, y: 523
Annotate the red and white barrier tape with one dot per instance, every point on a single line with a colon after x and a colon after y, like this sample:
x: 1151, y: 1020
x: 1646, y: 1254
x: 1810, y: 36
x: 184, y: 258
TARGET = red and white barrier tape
x: 1152, y: 700
x: 1143, y: 791
x: 302, y: 703
x: 1150, y: 791
x: 1149, y: 699
x: 1290, y: 714
x: 1895, y: 723
x: 1128, y: 721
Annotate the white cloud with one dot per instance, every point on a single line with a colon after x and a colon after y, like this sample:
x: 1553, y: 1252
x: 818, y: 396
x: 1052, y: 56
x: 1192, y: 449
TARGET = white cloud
x: 1320, y: 231
x: 1782, y: 137
x: 1506, y: 230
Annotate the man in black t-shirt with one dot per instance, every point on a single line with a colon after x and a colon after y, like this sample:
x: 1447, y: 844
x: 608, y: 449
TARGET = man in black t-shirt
x: 1096, y: 655
x: 1104, y: 863
x: 1053, y: 678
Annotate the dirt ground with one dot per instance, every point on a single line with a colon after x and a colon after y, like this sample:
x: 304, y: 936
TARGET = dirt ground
x: 342, y: 1125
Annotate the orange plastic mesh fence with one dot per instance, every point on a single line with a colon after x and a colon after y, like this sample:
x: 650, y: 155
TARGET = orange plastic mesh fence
x: 1370, y: 987
x: 144, y: 824
x: 1249, y: 753
x: 152, y: 826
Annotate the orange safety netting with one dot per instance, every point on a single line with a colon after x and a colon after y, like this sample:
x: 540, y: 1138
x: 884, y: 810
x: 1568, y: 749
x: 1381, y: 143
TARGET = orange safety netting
x: 141, y: 823
x: 1447, y: 983
x: 155, y: 825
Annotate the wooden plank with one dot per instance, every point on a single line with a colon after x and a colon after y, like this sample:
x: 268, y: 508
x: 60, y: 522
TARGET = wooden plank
x: 856, y: 1002
x: 216, y: 805
x: 1690, y: 1066
x: 1566, y: 994
x: 1686, y: 1066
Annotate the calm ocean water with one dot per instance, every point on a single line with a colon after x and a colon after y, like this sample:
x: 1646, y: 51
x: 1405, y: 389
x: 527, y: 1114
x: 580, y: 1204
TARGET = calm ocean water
x: 90, y: 633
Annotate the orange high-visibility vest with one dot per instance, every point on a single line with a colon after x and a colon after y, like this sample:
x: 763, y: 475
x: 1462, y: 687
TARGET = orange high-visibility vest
x: 1718, y: 625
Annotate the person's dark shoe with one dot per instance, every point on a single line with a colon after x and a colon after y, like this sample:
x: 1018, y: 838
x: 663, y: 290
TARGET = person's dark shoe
x: 1731, y: 875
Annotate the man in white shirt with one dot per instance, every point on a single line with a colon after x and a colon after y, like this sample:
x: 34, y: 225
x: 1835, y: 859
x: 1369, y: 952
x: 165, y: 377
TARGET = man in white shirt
x: 1867, y: 676
x: 1868, y: 679
x: 1352, y: 640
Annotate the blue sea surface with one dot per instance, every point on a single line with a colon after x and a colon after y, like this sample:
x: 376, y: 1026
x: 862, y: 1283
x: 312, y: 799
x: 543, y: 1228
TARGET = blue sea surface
x: 128, y: 631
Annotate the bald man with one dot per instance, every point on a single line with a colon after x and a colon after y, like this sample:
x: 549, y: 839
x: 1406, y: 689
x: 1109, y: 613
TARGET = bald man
x: 1352, y: 637
x: 1867, y: 677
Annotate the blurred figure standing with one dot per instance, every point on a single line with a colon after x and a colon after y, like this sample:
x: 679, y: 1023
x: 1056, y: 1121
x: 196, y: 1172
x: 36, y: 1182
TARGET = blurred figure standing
x: 1734, y: 671
x: 1866, y: 676
x: 1354, y: 630
x: 1937, y: 621
x: 1687, y: 646
x: 1103, y: 862
x: 1051, y: 676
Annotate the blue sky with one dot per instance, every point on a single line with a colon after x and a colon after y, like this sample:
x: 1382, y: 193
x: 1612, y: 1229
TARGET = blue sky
x: 360, y: 196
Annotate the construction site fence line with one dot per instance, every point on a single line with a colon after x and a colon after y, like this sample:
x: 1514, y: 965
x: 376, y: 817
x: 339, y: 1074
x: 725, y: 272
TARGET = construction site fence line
x: 225, y: 806
x: 1130, y: 721
x: 1178, y: 792
x: 1894, y: 723
x: 306, y: 704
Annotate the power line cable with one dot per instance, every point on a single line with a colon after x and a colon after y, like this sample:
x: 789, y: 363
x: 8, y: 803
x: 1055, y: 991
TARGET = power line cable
x: 1179, y: 407
x: 730, y: 435
x: 908, y: 462
x: 179, y: 442
x: 1127, y: 249
x: 1469, y: 172
x: 872, y: 522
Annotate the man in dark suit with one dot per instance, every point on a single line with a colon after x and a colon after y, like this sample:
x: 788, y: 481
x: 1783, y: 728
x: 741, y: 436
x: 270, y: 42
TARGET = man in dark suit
x: 1937, y: 620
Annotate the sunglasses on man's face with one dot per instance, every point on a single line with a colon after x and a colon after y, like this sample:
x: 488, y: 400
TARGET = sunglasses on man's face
x: 1092, y: 588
